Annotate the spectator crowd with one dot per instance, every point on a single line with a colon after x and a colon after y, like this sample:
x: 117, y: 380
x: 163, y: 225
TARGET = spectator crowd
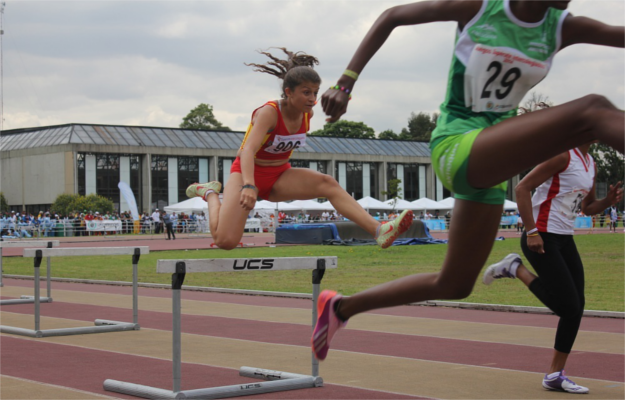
x: 47, y: 224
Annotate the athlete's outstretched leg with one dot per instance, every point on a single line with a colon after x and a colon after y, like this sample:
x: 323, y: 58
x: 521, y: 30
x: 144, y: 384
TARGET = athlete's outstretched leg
x: 471, y: 238
x: 303, y: 184
x: 508, y: 148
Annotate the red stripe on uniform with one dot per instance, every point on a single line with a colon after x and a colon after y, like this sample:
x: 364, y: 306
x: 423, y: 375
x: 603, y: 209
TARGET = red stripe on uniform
x: 585, y: 162
x: 545, y: 208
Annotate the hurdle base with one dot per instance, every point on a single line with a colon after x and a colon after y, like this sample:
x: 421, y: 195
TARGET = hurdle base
x: 104, y: 326
x: 276, y: 381
x: 25, y: 300
x: 20, y: 331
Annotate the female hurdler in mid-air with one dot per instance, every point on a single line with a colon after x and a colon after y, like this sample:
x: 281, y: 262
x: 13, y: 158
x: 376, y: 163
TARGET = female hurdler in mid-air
x: 262, y: 167
x: 503, y: 48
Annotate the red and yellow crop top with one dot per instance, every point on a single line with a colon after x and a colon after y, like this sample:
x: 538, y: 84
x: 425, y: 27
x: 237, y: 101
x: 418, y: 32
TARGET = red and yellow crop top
x: 278, y: 143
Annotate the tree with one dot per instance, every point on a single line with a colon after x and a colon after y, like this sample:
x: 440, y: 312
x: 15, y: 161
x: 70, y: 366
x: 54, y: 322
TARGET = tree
x: 201, y: 117
x: 69, y: 203
x: 388, y: 135
x: 536, y: 101
x: 610, y: 164
x: 348, y: 129
x: 4, y: 206
x: 420, y: 127
x: 394, y: 191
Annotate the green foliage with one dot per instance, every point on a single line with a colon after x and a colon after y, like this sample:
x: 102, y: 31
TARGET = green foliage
x: 420, y: 127
x: 69, y: 203
x: 201, y: 117
x: 388, y: 135
x: 610, y: 165
x: 394, y: 191
x: 348, y: 129
x: 4, y: 206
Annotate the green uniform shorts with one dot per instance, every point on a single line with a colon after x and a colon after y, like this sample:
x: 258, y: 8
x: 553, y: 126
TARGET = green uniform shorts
x: 450, y: 159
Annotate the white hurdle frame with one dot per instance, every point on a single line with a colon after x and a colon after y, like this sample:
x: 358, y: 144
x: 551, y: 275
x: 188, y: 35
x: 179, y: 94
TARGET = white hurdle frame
x: 101, y: 325
x: 32, y: 244
x: 276, y: 380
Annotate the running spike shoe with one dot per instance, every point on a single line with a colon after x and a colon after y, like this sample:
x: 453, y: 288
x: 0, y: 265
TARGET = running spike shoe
x: 389, y: 231
x: 327, y: 323
x: 200, y: 189
x: 559, y: 382
x: 502, y: 269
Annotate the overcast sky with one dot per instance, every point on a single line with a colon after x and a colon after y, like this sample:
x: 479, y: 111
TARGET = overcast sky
x: 151, y: 62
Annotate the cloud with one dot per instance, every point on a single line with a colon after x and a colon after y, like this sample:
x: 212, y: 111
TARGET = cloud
x: 150, y: 63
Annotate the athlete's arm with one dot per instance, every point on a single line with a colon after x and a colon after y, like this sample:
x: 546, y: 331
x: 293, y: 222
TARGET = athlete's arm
x: 591, y: 205
x: 587, y: 30
x: 334, y: 102
x: 524, y: 189
x: 263, y: 121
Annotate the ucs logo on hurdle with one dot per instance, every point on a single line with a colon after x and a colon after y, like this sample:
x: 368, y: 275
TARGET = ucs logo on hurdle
x: 251, y: 386
x: 253, y: 263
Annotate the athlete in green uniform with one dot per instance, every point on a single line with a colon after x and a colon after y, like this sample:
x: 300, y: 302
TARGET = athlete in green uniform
x: 503, y: 48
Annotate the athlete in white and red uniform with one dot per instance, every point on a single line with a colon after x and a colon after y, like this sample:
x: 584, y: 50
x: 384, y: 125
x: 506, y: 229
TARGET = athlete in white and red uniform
x: 564, y: 186
x: 558, y: 200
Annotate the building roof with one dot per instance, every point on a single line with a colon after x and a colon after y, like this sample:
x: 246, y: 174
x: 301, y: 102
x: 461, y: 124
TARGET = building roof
x: 144, y: 136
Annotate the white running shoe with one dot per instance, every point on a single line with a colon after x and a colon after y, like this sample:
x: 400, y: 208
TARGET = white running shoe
x: 200, y: 189
x: 389, y: 231
x: 505, y: 268
x: 559, y: 382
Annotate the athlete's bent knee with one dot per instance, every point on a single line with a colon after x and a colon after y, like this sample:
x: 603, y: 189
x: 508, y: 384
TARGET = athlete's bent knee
x: 226, y: 243
x: 328, y: 183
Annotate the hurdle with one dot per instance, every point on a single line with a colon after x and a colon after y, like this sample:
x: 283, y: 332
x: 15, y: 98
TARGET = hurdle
x: 101, y: 325
x: 31, y: 244
x: 276, y: 381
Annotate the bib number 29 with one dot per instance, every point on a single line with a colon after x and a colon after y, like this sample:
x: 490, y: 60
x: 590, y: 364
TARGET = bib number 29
x: 505, y: 85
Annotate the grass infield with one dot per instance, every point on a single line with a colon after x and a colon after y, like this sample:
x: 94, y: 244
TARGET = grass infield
x: 359, y: 268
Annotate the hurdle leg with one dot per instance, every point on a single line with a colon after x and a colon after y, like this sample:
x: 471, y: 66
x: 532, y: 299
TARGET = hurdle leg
x: 317, y: 276
x: 37, y: 294
x: 135, y: 286
x: 1, y: 284
x: 48, y: 271
x: 176, y: 284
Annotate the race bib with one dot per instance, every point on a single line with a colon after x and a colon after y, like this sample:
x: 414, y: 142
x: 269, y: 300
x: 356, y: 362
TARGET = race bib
x: 496, y: 79
x: 571, y: 203
x: 286, y: 144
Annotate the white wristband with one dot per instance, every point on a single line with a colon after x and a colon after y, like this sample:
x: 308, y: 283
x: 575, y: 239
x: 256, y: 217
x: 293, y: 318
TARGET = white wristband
x: 532, y: 231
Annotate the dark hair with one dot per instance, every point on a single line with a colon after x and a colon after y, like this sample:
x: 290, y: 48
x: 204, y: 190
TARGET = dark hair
x: 295, y: 70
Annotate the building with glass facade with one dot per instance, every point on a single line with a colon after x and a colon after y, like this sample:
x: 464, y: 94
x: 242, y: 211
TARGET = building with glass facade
x: 38, y: 164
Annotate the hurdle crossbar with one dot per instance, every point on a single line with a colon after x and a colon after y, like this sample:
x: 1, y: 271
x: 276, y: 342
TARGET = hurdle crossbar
x: 33, y: 244
x: 101, y: 325
x: 274, y: 381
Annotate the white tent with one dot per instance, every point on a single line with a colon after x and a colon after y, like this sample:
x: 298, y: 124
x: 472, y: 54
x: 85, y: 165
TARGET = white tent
x: 310, y: 205
x: 195, y: 204
x: 327, y: 206
x: 369, y: 203
x: 270, y: 205
x: 510, y: 205
x: 425, y: 204
x: 446, y: 203
x: 401, y: 204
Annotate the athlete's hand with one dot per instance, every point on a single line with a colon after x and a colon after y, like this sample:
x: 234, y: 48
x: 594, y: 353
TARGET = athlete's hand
x: 248, y: 199
x: 334, y: 104
x: 535, y: 243
x: 615, y: 193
